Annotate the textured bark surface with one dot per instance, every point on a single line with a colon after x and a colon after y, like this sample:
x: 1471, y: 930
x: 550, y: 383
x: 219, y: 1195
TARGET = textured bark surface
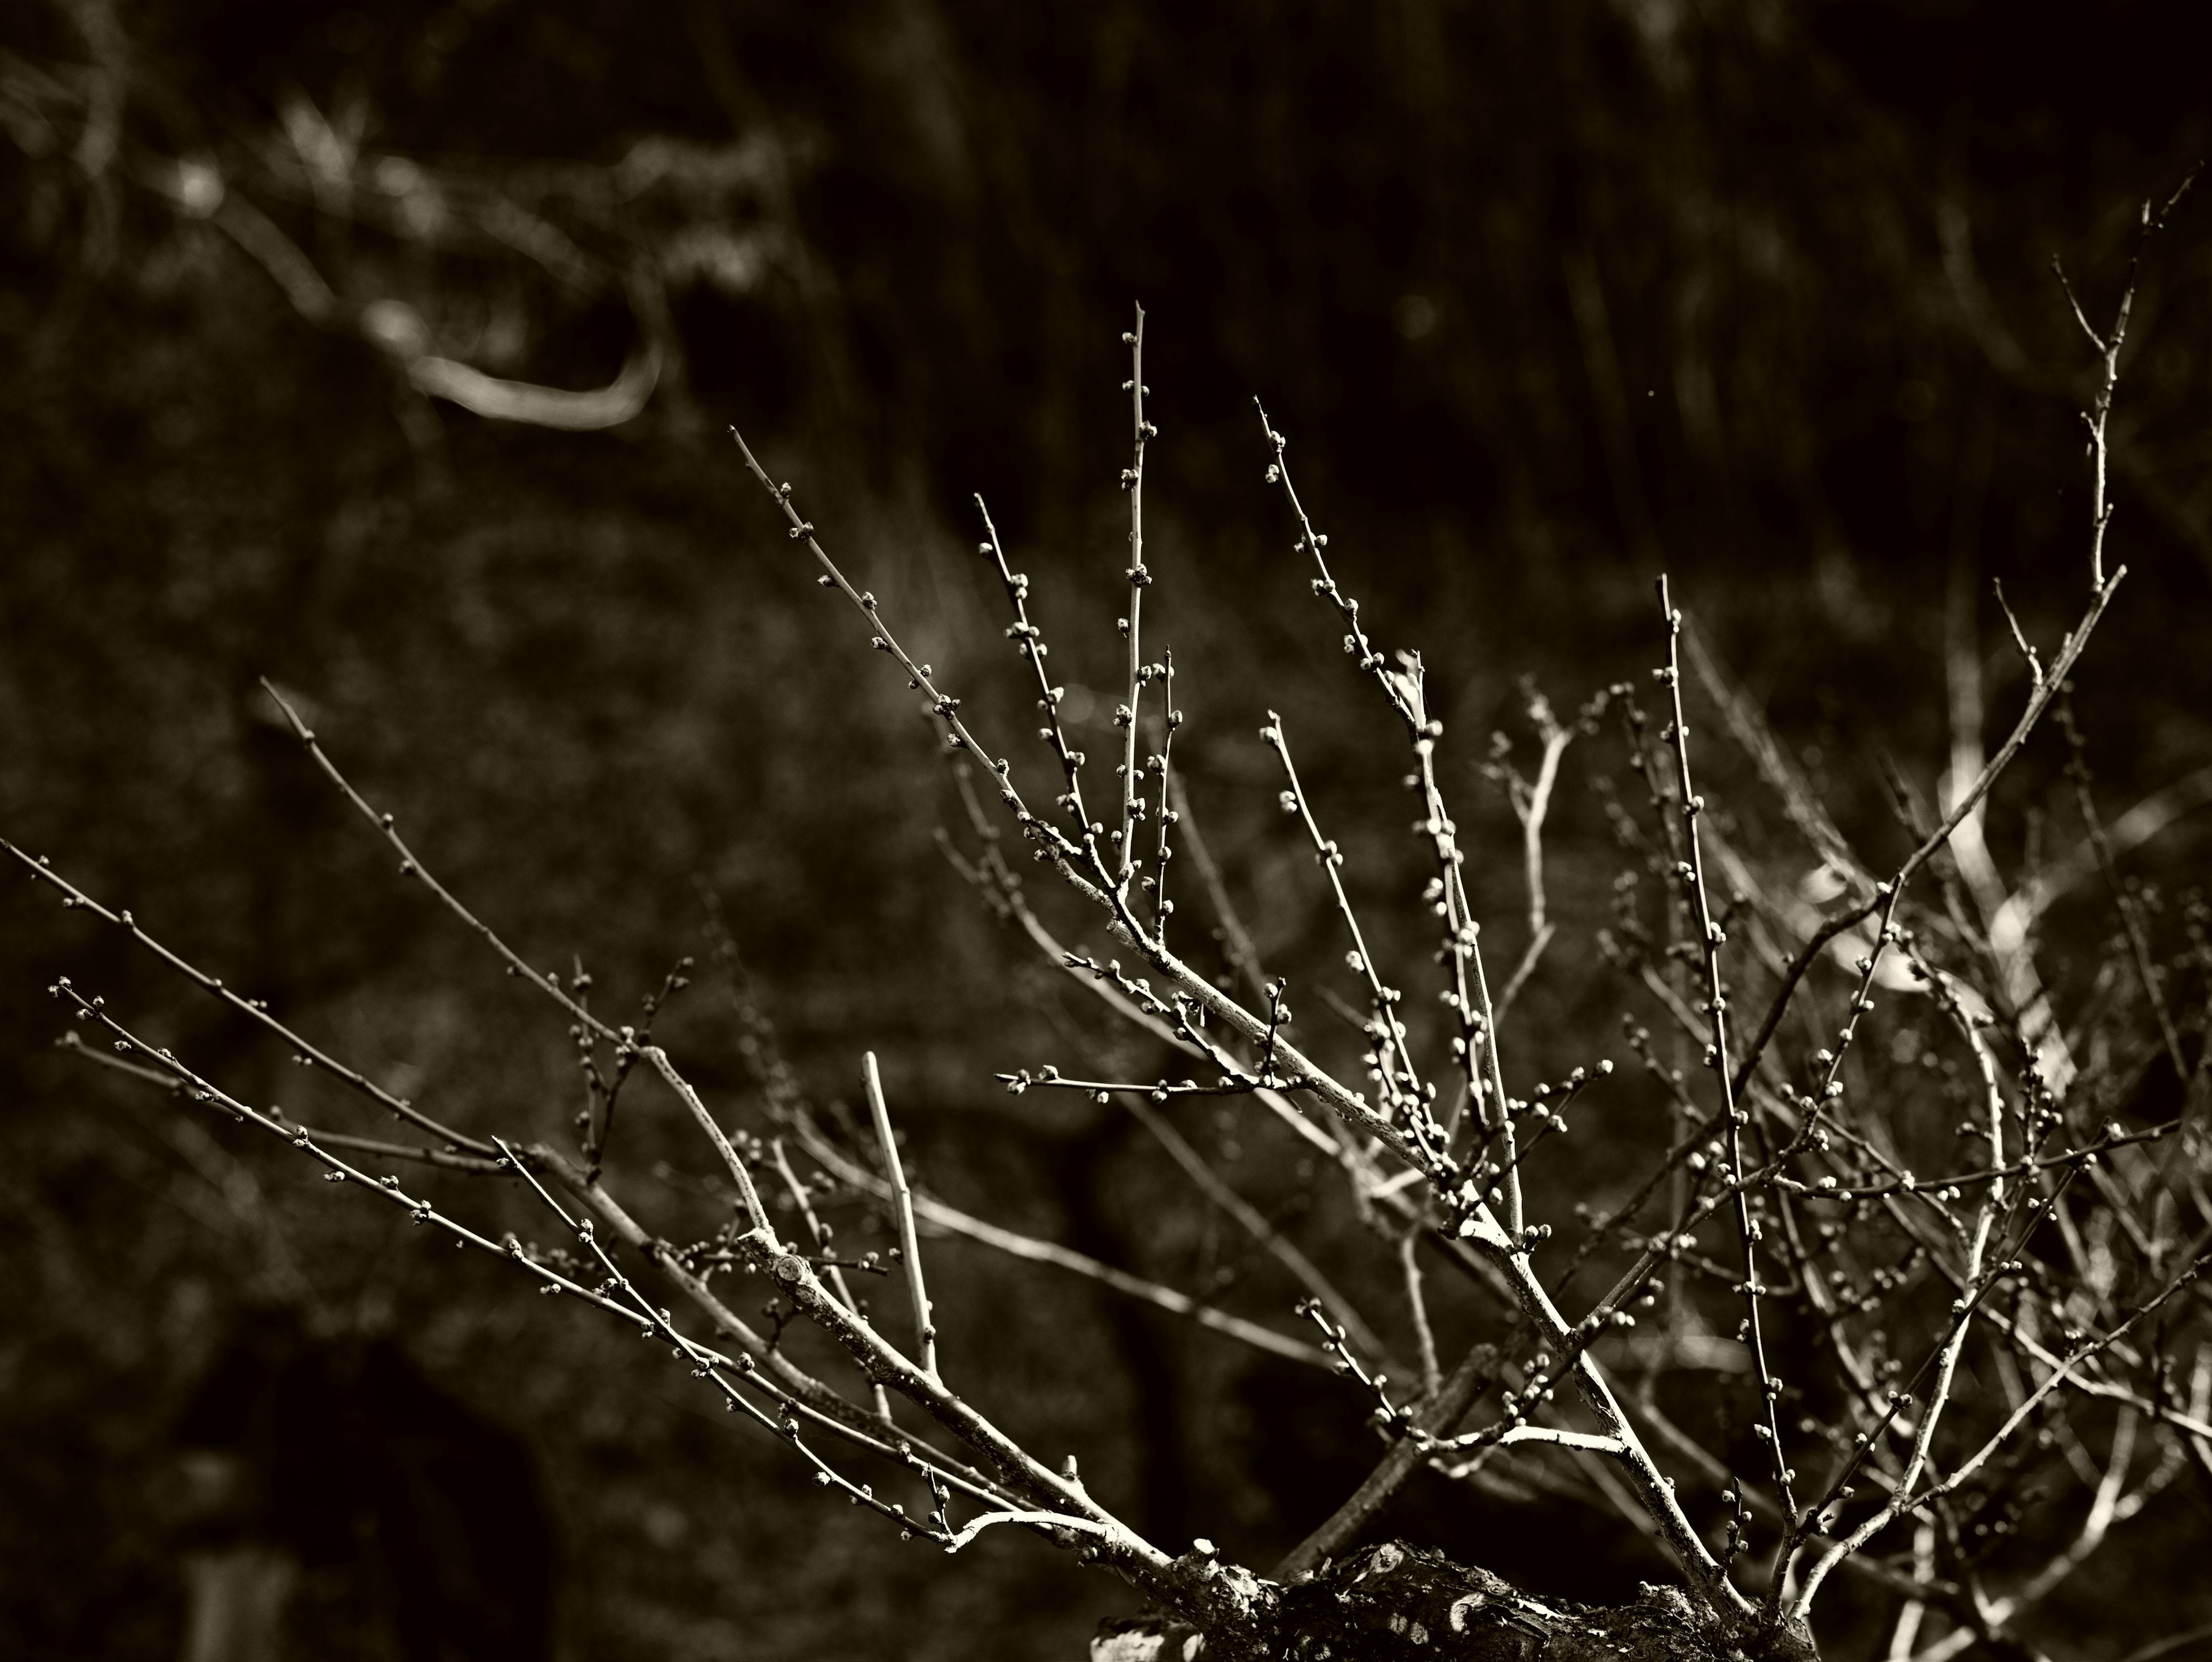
x: 1396, y: 1603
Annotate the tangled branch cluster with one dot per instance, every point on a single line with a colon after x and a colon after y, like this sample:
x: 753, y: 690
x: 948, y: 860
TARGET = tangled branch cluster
x: 1915, y: 1344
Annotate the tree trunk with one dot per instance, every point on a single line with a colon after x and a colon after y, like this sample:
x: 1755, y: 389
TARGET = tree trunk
x: 1397, y: 1603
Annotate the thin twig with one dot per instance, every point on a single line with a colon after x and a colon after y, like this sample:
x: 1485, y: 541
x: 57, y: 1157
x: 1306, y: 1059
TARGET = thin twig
x: 548, y: 982
x: 736, y: 1166
x: 902, y: 1200
x: 820, y: 1234
x: 1733, y: 1118
x: 1235, y: 939
x: 1442, y: 1409
x: 1905, y: 1498
x: 1171, y: 719
x: 1531, y: 804
x: 1417, y: 1306
x: 951, y: 1219
x: 1212, y: 1185
x: 255, y: 1010
x: 1133, y: 481
x: 2124, y: 899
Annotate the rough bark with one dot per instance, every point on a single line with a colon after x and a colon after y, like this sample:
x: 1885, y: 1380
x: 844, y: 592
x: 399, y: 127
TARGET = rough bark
x: 1398, y: 1603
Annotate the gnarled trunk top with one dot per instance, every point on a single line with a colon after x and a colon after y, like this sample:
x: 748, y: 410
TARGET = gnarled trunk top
x: 1398, y: 1603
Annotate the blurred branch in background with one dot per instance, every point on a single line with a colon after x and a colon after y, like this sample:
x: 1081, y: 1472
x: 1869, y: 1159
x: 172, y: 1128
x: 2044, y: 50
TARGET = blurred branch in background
x: 408, y: 245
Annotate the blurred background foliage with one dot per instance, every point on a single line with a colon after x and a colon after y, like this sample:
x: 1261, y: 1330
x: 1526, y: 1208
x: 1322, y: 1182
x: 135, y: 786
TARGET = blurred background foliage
x: 1549, y: 295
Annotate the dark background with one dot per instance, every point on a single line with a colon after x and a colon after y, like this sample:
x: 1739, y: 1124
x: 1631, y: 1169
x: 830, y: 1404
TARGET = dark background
x: 1549, y: 295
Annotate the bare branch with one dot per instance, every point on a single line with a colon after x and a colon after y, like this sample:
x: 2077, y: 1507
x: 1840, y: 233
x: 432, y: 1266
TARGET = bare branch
x: 1133, y: 481
x: 1442, y: 1409
x: 955, y: 1221
x: 254, y: 1010
x: 902, y: 1202
x: 819, y: 1234
x: 1717, y: 1058
x: 1211, y: 1184
x: 1235, y: 939
x: 1905, y: 1498
x: 732, y: 1163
